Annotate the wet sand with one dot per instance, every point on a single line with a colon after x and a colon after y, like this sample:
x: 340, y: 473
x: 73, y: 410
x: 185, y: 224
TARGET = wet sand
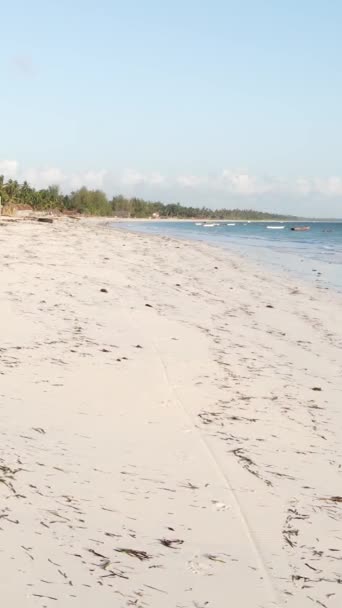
x: 171, y: 422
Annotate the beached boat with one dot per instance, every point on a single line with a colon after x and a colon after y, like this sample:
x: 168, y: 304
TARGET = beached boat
x: 275, y: 227
x: 300, y: 228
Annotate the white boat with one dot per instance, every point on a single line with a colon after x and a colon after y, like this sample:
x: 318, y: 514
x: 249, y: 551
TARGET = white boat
x: 209, y: 225
x: 276, y: 227
x: 230, y: 224
x: 198, y: 224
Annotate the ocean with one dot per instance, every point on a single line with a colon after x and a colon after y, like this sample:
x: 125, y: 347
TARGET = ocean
x: 314, y: 255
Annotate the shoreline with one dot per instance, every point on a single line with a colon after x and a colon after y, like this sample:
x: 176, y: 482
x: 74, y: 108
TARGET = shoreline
x: 171, y: 424
x: 238, y: 221
x: 323, y: 279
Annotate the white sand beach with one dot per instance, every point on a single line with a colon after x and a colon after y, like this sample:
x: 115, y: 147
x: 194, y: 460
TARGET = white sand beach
x: 171, y: 425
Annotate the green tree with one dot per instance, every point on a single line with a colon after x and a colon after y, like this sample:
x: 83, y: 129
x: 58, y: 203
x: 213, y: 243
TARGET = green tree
x: 95, y: 202
x: 91, y: 202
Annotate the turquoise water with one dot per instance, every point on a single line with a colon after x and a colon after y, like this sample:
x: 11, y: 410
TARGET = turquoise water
x: 315, y: 255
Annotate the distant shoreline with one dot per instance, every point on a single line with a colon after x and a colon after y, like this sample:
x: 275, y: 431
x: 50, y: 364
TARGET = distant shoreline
x: 239, y: 221
x: 33, y: 213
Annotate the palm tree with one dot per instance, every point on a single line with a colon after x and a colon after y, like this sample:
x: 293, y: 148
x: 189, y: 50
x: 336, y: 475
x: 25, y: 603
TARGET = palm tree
x: 12, y: 189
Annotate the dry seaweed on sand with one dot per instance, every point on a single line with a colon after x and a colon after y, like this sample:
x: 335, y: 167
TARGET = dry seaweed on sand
x: 106, y: 565
x: 333, y: 499
x: 7, y: 471
x: 189, y: 486
x: 249, y: 464
x: 288, y: 534
x: 171, y: 543
x: 7, y: 475
x: 214, y: 558
x: 97, y: 554
x: 141, y: 555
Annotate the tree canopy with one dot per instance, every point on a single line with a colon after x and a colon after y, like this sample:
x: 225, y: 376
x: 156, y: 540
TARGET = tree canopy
x: 95, y: 202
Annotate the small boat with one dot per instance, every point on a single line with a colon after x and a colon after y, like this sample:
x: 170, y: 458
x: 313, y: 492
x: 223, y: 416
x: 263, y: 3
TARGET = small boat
x: 209, y: 225
x: 300, y: 228
x: 275, y: 227
x: 198, y: 224
x: 230, y: 224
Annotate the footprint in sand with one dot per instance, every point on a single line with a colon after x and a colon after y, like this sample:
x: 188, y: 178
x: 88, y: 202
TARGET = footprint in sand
x: 199, y: 567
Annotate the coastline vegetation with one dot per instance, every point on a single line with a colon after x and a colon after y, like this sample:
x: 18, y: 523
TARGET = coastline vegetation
x: 15, y: 195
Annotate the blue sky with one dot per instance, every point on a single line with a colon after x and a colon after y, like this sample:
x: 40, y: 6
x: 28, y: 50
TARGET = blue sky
x: 220, y: 103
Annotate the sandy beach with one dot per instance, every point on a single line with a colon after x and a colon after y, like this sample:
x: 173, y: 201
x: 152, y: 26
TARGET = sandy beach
x: 171, y: 425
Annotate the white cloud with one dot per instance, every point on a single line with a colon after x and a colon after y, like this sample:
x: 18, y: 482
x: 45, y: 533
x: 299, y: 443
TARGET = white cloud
x: 331, y: 186
x: 131, y: 177
x: 243, y: 184
x: 45, y: 176
x: 302, y: 186
x: 9, y: 168
x: 192, y: 181
x: 41, y: 178
x: 90, y: 179
x: 239, y: 183
x: 228, y: 187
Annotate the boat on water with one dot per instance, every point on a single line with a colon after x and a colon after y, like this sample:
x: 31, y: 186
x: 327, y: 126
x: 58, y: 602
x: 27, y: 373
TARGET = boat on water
x: 209, y: 225
x: 275, y: 227
x: 198, y: 224
x: 300, y: 228
x: 230, y: 224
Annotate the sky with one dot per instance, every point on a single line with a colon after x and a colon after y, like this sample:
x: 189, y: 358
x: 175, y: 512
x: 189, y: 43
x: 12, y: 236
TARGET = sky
x: 217, y: 103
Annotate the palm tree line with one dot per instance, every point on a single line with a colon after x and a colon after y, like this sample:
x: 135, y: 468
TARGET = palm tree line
x: 15, y: 195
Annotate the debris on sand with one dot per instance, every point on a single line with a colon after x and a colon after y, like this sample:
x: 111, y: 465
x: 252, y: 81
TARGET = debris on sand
x: 141, y: 555
x: 7, y: 475
x: 97, y: 554
x: 38, y: 429
x: 189, y: 485
x: 249, y: 465
x: 214, y: 558
x: 333, y: 499
x: 171, y: 543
